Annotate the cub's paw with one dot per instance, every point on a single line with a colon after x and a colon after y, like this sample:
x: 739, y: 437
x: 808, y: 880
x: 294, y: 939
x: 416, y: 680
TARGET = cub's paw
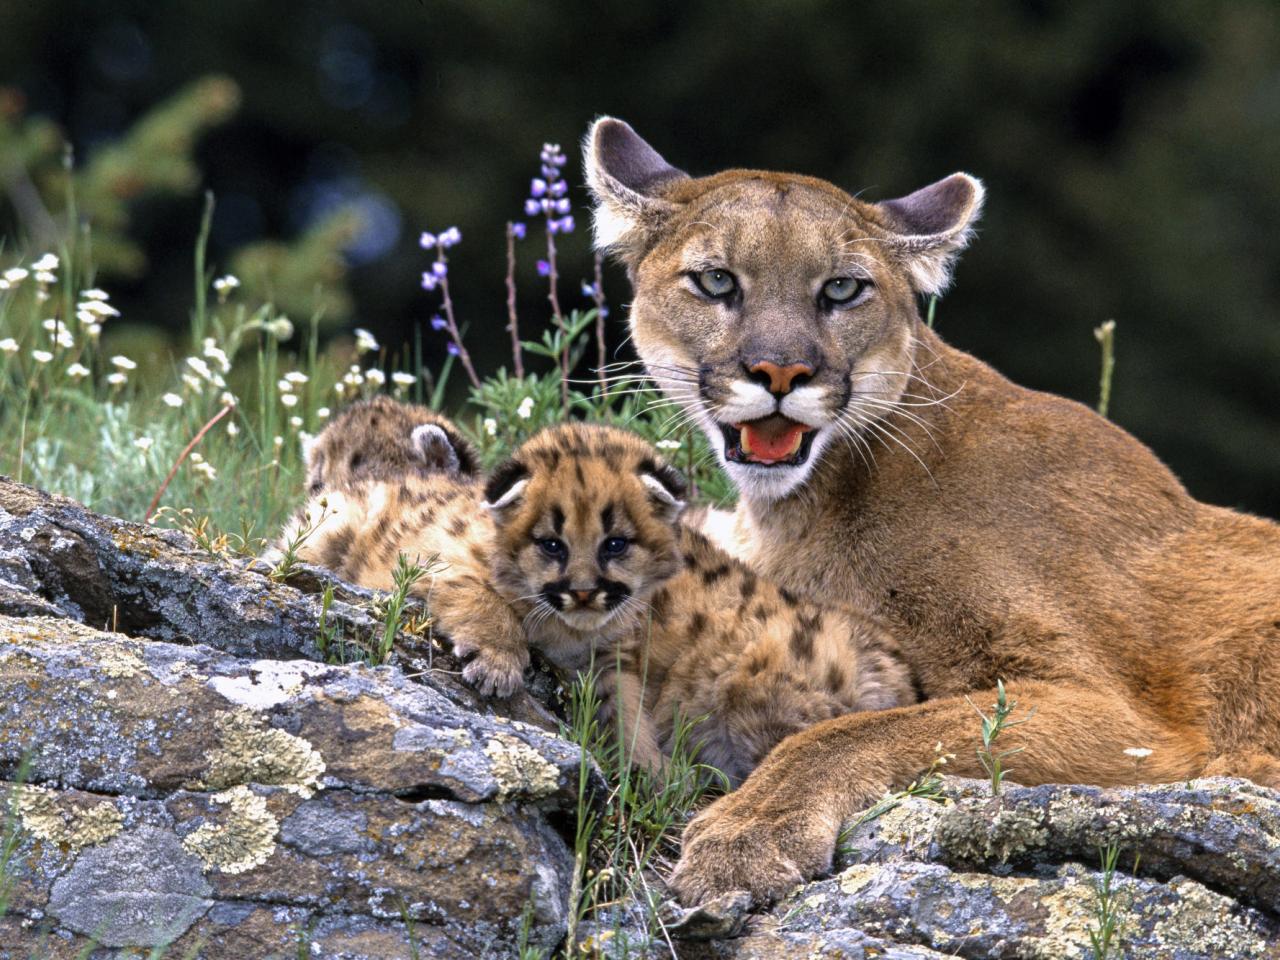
x: 727, y: 848
x: 495, y: 672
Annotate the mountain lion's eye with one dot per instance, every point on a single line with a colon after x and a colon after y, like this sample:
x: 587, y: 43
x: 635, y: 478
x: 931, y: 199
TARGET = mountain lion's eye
x: 614, y: 547
x: 843, y: 289
x: 553, y: 548
x: 716, y: 283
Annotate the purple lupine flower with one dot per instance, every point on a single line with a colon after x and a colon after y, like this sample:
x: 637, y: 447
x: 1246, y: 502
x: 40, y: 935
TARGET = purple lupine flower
x: 427, y: 240
x: 566, y: 224
x: 544, y: 268
x: 559, y: 188
x: 439, y: 268
x: 538, y: 188
x: 532, y: 208
x: 604, y: 311
x: 562, y: 206
x: 429, y: 281
x: 450, y: 237
x: 438, y: 322
x: 549, y: 171
x: 588, y: 289
x: 518, y: 230
x: 453, y: 349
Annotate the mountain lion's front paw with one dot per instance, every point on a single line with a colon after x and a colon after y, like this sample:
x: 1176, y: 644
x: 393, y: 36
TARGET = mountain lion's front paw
x: 729, y: 847
x: 495, y: 671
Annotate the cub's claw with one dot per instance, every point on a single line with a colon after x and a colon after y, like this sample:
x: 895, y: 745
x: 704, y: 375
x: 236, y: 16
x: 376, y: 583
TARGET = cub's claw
x: 496, y: 673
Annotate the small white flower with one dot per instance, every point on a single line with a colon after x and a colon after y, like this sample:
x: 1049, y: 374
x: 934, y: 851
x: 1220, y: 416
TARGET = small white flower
x: 214, y: 352
x: 9, y: 345
x: 93, y: 330
x: 50, y: 324
x: 296, y: 376
x: 123, y: 363
x: 491, y: 426
x: 281, y: 328
x: 77, y: 371
x: 1138, y: 753
x: 143, y: 443
x: 295, y: 422
x: 278, y: 442
x: 289, y: 399
x: 525, y: 410
x: 232, y: 429
x: 117, y: 379
x: 197, y: 457
x: 284, y: 386
x: 323, y: 413
x: 206, y: 469
x: 94, y: 294
x: 200, y: 367
x: 224, y: 285
x: 193, y: 382
x: 46, y: 262
x: 172, y: 399
x: 41, y: 356
x: 64, y: 339
x: 228, y: 399
x: 375, y: 376
x: 365, y: 342
x: 668, y: 444
x: 402, y: 379
x: 45, y: 277
x: 4, y: 284
x: 15, y: 275
x: 97, y: 308
x: 340, y: 388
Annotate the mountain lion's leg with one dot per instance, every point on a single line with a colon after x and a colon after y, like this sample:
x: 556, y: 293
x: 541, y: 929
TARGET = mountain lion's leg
x: 1261, y: 768
x: 479, y: 621
x: 780, y: 826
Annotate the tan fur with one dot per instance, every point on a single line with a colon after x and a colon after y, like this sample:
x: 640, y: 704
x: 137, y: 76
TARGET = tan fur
x: 1000, y: 532
x: 377, y: 492
x: 688, y: 628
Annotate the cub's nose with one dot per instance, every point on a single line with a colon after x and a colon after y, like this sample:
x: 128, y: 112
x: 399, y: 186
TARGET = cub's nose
x: 583, y: 596
x: 780, y: 378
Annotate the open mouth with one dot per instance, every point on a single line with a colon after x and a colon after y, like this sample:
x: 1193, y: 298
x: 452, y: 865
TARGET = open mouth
x: 773, y: 441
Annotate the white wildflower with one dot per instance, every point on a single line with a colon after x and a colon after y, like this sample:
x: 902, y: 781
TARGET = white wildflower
x: 375, y: 376
x: 214, y: 352
x: 525, y: 410
x: 117, y: 379
x: 228, y: 399
x: 340, y: 388
x: 41, y: 356
x: 46, y: 262
x: 77, y: 371
x: 9, y: 345
x: 232, y: 429
x: 123, y: 363
x: 45, y: 278
x: 94, y: 294
x: 278, y: 442
x: 97, y: 308
x: 323, y: 413
x: 197, y: 457
x: 1138, y: 753
x: 224, y: 285
x: 15, y: 275
x: 295, y: 422
x: 289, y: 399
x: 401, y: 379
x: 200, y: 367
x: 491, y: 426
x: 172, y: 400
x: 206, y: 469
x: 668, y: 444
x: 194, y: 382
x: 284, y: 386
x: 64, y: 339
x: 93, y: 330
x: 281, y: 328
x: 296, y: 376
x: 143, y: 443
x: 365, y: 342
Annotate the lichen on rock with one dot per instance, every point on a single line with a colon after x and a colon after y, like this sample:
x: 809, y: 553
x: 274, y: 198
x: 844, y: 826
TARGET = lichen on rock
x: 44, y: 813
x: 243, y: 840
x: 252, y: 752
x: 519, y: 769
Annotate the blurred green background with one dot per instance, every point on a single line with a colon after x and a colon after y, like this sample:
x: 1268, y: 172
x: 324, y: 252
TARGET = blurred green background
x: 1131, y: 153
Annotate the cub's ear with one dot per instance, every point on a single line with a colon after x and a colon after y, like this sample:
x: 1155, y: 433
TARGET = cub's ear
x: 628, y: 179
x: 666, y: 488
x: 932, y: 226
x: 506, y: 486
x: 433, y: 447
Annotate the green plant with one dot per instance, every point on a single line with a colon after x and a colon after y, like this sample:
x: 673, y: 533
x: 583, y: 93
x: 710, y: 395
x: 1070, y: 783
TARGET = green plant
x: 1106, y: 337
x: 927, y: 786
x: 392, y: 608
x: 993, y: 727
x: 1110, y: 905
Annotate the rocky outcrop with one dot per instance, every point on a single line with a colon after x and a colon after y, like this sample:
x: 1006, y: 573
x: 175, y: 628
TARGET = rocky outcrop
x: 195, y: 780
x: 186, y: 776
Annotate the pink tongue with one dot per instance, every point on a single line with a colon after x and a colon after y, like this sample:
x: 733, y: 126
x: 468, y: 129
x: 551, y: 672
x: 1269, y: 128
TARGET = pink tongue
x: 771, y: 446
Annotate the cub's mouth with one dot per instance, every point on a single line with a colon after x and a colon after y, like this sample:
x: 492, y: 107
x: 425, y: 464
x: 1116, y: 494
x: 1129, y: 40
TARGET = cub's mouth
x: 773, y: 441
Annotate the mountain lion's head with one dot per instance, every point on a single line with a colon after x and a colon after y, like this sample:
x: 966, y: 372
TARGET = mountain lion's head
x: 777, y: 309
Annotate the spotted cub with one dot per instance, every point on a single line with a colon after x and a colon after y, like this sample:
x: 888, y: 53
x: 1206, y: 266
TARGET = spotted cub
x: 386, y: 478
x: 589, y: 551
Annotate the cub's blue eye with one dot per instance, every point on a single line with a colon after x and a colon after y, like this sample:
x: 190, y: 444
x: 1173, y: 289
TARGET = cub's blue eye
x: 843, y: 289
x: 614, y: 546
x: 553, y: 548
x: 716, y: 283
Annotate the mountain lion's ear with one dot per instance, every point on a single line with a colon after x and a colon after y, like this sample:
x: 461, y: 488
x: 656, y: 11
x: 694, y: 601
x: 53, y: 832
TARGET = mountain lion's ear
x: 505, y: 487
x: 628, y: 179
x: 932, y: 225
x: 666, y: 486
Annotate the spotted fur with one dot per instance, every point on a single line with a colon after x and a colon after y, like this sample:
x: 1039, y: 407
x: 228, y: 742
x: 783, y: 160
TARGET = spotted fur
x: 590, y: 552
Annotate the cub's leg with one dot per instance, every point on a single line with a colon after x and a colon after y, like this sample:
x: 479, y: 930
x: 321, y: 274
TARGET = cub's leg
x: 482, y: 626
x: 780, y: 827
x: 1261, y: 768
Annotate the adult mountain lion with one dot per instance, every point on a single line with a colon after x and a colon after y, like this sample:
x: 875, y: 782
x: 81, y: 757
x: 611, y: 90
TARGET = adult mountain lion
x: 1000, y: 532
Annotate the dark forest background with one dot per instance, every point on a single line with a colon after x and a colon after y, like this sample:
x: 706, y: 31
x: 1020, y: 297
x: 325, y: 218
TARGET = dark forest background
x: 1131, y: 153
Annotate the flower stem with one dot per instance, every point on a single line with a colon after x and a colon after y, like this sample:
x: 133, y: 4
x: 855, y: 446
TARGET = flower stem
x: 597, y: 294
x: 554, y: 297
x: 517, y: 353
x: 453, y: 324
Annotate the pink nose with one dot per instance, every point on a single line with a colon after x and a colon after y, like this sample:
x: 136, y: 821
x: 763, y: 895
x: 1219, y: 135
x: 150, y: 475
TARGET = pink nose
x: 582, y: 595
x: 780, y: 376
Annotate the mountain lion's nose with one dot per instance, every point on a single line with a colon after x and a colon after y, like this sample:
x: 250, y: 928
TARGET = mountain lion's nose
x: 778, y: 377
x: 582, y: 596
